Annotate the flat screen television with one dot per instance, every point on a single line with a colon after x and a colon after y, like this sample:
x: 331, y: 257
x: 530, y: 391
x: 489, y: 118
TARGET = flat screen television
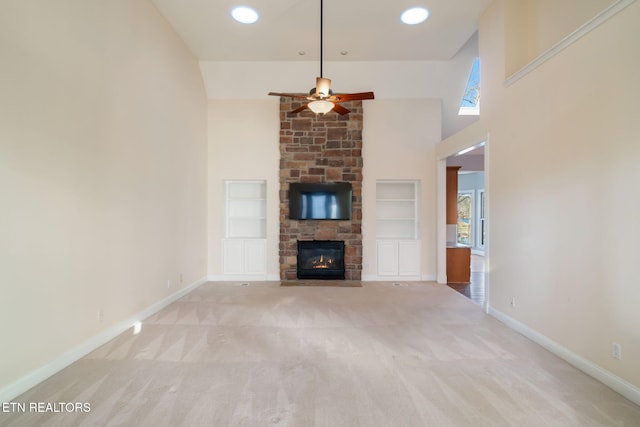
x: 320, y: 201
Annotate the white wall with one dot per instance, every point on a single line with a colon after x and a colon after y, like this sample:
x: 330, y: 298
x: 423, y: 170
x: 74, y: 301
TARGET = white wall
x: 471, y: 181
x: 244, y: 143
x: 467, y: 162
x: 533, y: 26
x: 563, y: 174
x: 444, y: 80
x: 552, y: 20
x: 102, y: 172
x: 399, y: 140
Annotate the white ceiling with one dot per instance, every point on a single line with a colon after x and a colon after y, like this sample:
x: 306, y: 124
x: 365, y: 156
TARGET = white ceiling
x: 240, y: 61
x: 471, y: 161
x: 369, y: 30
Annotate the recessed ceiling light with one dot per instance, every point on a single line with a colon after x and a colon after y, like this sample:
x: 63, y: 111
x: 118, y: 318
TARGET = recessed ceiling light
x: 244, y: 14
x: 414, y: 15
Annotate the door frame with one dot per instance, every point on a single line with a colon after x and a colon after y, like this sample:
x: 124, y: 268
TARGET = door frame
x: 441, y: 211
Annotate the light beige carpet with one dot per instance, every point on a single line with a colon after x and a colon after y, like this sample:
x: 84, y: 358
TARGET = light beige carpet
x: 410, y: 354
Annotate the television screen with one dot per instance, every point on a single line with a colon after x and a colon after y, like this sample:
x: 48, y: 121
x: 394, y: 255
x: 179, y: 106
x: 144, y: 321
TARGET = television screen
x: 320, y: 201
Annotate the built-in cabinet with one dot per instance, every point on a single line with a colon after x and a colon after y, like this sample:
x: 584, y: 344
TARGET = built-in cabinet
x: 244, y: 245
x: 458, y: 256
x: 452, y: 194
x: 398, y: 257
x: 396, y: 210
x: 245, y: 209
x: 458, y: 265
x: 244, y: 257
x: 397, y: 229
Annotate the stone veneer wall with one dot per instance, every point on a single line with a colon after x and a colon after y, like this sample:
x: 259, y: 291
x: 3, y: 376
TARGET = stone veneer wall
x: 323, y: 148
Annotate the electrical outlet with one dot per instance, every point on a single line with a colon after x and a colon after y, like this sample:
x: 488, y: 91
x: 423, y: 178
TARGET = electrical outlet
x: 168, y: 284
x: 616, y: 351
x: 100, y: 315
x: 512, y: 302
x: 181, y: 279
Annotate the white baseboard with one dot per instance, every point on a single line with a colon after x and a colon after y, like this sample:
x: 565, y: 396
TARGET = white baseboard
x: 606, y: 377
x: 276, y: 278
x: 376, y: 278
x: 15, y: 389
x: 243, y: 278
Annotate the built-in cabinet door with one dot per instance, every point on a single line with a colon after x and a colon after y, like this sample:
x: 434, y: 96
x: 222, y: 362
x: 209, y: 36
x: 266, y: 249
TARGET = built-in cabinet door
x: 254, y: 257
x: 398, y: 257
x: 397, y: 228
x: 244, y: 246
x: 409, y: 258
x: 244, y: 257
x: 232, y: 256
x: 387, y: 258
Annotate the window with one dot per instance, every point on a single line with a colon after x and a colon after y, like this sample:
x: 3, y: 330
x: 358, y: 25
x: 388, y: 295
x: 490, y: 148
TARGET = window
x: 481, y: 220
x: 465, y: 217
x: 470, y: 105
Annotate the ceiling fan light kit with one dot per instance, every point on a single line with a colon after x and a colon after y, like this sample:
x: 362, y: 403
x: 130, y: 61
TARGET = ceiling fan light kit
x: 321, y: 106
x: 321, y: 98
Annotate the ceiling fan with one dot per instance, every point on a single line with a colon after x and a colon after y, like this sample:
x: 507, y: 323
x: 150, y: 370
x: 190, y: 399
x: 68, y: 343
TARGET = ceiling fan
x: 321, y: 98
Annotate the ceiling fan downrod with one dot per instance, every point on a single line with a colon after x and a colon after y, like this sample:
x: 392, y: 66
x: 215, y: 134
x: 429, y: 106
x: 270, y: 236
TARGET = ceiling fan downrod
x: 321, y: 35
x: 321, y: 98
x: 322, y: 88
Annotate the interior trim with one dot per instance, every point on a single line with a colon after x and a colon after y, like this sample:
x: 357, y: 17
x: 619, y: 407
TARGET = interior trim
x: 23, y: 384
x: 376, y: 278
x: 606, y: 377
x: 584, y: 29
x: 243, y: 278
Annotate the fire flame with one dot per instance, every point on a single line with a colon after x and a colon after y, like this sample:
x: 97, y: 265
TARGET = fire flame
x: 322, y: 263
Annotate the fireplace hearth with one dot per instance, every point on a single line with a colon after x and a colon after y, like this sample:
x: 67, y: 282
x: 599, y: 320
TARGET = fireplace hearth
x: 321, y: 259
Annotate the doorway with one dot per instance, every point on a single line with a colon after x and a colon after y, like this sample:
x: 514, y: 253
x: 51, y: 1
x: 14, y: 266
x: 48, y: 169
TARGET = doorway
x: 472, y: 227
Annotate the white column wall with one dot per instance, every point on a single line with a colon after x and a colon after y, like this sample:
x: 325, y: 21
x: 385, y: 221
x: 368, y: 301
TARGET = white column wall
x: 102, y: 176
x: 562, y: 176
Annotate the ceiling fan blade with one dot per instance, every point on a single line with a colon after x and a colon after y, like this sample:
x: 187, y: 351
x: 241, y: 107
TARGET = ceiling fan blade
x: 299, y: 109
x: 288, y: 95
x: 343, y: 97
x: 340, y: 109
x: 322, y: 86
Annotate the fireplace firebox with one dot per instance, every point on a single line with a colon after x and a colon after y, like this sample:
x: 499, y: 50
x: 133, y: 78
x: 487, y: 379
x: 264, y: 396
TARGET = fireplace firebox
x: 321, y: 259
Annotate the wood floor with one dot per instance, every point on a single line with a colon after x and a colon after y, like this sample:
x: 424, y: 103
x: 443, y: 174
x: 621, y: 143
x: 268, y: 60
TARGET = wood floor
x: 475, y: 290
x: 385, y: 354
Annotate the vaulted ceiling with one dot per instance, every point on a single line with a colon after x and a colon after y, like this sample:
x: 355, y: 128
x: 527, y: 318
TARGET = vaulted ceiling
x: 368, y: 30
x: 366, y: 47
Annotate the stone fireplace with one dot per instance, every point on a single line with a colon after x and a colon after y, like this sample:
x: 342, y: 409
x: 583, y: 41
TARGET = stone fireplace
x: 320, y: 149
